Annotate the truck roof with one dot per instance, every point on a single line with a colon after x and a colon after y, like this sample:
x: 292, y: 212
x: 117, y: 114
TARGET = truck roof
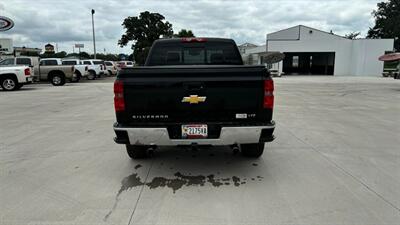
x: 202, y: 39
x: 50, y: 59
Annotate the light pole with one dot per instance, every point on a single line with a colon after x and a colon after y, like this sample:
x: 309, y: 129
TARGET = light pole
x: 94, y: 39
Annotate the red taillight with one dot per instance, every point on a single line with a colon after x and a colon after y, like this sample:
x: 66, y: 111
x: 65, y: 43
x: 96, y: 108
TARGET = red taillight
x: 27, y: 72
x: 189, y: 39
x: 269, y: 94
x: 119, y: 102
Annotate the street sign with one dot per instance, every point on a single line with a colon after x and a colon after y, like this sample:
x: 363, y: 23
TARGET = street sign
x: 49, y: 48
x: 5, y: 23
x: 390, y: 57
x: 79, y: 45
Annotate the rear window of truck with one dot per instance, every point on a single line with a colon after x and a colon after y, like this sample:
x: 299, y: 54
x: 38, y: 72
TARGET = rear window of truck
x: 24, y: 61
x: 69, y: 62
x: 194, y: 54
x: 49, y: 62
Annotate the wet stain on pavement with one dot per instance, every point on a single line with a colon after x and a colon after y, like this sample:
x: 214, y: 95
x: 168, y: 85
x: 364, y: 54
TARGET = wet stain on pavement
x: 213, y: 181
x: 236, y: 180
x: 177, y: 182
x: 127, y: 183
x: 138, y: 166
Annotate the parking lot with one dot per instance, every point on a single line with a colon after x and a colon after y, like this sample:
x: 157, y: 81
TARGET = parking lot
x: 335, y: 160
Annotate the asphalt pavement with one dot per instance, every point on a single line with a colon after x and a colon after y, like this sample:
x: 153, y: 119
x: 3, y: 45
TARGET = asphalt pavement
x: 336, y: 160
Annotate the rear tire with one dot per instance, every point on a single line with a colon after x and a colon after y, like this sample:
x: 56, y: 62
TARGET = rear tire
x: 57, y: 80
x: 91, y: 75
x: 77, y: 78
x: 252, y: 150
x: 137, y: 151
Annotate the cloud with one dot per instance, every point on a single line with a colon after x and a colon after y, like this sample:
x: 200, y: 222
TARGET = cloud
x: 69, y: 22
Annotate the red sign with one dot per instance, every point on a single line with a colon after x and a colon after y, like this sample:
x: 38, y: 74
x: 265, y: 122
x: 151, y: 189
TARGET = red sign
x: 5, y: 23
x: 390, y: 57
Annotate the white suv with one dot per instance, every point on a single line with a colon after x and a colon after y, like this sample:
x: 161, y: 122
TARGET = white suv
x: 97, y: 67
x: 111, y: 68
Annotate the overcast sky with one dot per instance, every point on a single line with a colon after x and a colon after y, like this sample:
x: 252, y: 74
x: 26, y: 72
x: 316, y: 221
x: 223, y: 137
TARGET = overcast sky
x: 67, y: 22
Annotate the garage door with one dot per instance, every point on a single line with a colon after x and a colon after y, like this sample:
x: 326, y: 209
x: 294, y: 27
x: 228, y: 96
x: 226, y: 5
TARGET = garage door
x: 309, y: 63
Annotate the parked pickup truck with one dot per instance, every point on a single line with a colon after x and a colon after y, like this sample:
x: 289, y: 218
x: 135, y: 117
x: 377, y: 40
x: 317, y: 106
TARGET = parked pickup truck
x: 31, y: 61
x: 81, y: 71
x: 52, y: 69
x: 14, y: 77
x: 194, y: 91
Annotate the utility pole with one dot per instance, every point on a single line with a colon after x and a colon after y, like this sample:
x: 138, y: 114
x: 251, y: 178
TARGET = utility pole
x: 94, y: 39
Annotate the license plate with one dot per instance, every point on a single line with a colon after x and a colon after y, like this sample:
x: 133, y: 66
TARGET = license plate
x: 194, y: 131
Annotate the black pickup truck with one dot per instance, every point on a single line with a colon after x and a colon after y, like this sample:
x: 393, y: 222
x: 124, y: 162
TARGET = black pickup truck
x: 194, y: 91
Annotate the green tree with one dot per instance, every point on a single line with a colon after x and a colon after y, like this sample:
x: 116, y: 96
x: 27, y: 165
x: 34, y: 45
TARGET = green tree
x: 98, y: 56
x: 352, y: 35
x: 184, y: 33
x: 84, y: 55
x: 47, y: 55
x: 61, y: 54
x: 72, y: 55
x: 387, y: 18
x: 143, y: 30
x: 122, y: 57
x: 111, y: 57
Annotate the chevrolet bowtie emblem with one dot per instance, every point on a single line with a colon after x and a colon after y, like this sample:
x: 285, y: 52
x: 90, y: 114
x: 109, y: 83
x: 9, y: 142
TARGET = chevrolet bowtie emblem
x: 194, y: 99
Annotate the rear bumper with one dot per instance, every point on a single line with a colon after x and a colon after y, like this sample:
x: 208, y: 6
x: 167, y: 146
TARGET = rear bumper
x: 28, y: 80
x: 160, y: 136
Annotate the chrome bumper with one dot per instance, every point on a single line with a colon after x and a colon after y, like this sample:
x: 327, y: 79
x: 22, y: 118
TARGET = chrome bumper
x: 159, y: 136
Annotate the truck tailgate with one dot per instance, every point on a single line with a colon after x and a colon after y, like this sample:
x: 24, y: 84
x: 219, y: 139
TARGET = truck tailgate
x: 192, y: 94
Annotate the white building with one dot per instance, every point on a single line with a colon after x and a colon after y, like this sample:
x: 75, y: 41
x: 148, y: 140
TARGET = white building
x: 311, y: 51
x: 243, y: 47
x: 6, y: 46
x: 7, y: 49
